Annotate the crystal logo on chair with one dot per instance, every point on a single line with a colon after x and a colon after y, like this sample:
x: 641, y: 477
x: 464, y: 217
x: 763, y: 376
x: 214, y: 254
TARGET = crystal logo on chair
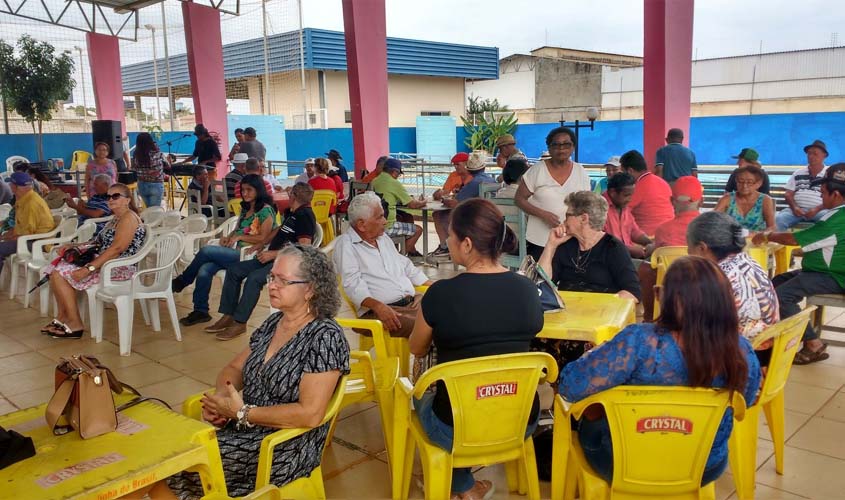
x: 493, y: 390
x: 664, y: 424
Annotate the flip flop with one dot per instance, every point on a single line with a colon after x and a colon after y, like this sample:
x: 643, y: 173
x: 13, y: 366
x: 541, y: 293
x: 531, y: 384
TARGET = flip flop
x: 62, y: 331
x: 49, y: 327
x: 806, y: 356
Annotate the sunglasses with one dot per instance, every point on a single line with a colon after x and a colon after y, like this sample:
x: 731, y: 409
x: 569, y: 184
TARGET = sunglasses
x: 115, y: 196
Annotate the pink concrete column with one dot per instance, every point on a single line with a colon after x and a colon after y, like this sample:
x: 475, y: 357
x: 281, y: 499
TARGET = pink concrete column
x: 667, y: 71
x: 205, y: 67
x: 104, y: 61
x: 366, y: 60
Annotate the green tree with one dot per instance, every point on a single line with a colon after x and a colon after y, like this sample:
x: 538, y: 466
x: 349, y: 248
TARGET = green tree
x: 34, y: 80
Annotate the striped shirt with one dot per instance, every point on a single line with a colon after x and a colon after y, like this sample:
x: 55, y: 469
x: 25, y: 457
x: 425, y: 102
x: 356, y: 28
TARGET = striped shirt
x: 806, y: 196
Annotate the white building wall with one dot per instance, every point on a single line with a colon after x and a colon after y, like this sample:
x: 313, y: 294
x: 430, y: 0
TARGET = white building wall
x: 513, y: 89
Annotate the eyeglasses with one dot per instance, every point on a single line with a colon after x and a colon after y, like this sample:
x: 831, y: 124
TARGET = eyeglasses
x: 568, y: 215
x: 747, y: 183
x: 279, y: 281
x: 115, y: 196
x: 561, y: 145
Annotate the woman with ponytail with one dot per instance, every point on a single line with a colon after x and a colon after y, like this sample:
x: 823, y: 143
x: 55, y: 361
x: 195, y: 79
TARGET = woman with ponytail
x: 484, y: 311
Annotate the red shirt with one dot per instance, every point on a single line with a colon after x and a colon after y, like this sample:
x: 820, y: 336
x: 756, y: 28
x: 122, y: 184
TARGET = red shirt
x: 674, y: 232
x: 332, y: 183
x: 621, y: 224
x: 651, y: 203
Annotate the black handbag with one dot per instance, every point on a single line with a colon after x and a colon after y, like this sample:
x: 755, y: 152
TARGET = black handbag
x: 549, y: 298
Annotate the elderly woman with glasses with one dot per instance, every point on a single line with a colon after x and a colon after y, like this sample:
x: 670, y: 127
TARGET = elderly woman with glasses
x: 123, y: 236
x: 581, y: 257
x: 543, y: 189
x: 286, y: 377
x: 752, y: 209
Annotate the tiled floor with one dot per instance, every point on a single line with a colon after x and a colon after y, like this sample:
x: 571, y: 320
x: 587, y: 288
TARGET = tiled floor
x: 355, y: 465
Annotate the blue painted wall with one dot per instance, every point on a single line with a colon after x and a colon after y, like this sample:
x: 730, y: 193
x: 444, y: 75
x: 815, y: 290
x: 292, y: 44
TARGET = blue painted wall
x: 780, y: 139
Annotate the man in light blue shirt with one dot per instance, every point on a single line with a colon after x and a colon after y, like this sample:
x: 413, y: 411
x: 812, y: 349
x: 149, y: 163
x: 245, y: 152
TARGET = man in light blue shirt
x: 674, y: 160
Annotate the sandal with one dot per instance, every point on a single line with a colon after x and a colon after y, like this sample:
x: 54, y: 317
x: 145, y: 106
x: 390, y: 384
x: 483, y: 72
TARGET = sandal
x: 50, y: 326
x: 62, y: 331
x: 806, y: 356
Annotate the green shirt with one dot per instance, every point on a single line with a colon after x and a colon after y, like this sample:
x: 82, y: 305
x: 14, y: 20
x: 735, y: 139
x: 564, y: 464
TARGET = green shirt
x: 251, y: 225
x: 393, y: 192
x: 823, y: 244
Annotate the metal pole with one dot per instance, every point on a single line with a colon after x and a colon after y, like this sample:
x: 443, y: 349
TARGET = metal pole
x: 170, y: 104
x: 155, y: 73
x: 266, y: 108
x: 302, y: 67
x: 577, y: 141
x: 82, y: 75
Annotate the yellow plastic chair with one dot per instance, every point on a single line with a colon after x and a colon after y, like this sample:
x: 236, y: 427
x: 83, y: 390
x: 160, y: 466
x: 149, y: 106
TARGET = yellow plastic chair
x: 268, y: 492
x: 783, y: 257
x: 321, y: 204
x: 743, y: 443
x: 79, y: 160
x: 491, y: 401
x: 661, y: 259
x: 647, y: 462
x: 235, y: 206
x: 304, y: 487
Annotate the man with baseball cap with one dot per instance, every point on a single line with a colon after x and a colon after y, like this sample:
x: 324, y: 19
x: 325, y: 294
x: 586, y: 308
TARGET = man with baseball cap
x: 823, y: 265
x: 454, y: 183
x: 32, y: 215
x: 675, y: 160
x: 234, y: 177
x: 307, y: 173
x: 393, y: 193
x: 803, y: 197
x: 334, y: 157
x: 611, y: 168
x: 687, y: 194
x: 747, y: 157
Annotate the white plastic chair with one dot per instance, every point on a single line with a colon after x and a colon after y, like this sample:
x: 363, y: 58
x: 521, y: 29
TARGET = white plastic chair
x: 153, y: 216
x: 5, y: 209
x: 194, y: 205
x: 318, y: 236
x: 192, y: 241
x: 10, y: 162
x: 122, y: 294
x: 23, y: 255
x: 193, y: 224
x: 41, y: 258
x: 171, y: 219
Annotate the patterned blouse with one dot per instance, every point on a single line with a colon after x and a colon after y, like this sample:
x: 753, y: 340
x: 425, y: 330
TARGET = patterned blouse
x: 646, y: 354
x: 152, y: 170
x: 753, y: 220
x: 250, y: 225
x: 93, y: 170
x: 754, y: 294
x: 319, y: 347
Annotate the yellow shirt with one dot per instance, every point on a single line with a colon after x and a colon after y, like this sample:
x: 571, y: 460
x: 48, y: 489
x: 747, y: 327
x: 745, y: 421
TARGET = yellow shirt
x: 32, y: 215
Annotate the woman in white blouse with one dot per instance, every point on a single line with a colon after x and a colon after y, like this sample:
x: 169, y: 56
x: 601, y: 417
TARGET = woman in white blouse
x: 544, y: 188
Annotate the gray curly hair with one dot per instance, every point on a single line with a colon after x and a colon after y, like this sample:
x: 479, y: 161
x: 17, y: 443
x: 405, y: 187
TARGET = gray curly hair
x: 590, y: 203
x: 315, y: 267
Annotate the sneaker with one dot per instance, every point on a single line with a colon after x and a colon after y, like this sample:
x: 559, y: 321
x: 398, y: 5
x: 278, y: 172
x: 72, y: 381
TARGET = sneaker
x: 178, y: 284
x: 232, y: 332
x: 195, y: 317
x: 220, y: 325
x: 439, y: 252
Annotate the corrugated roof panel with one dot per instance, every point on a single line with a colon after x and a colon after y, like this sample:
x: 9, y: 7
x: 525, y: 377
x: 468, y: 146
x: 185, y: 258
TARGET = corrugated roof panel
x: 326, y: 50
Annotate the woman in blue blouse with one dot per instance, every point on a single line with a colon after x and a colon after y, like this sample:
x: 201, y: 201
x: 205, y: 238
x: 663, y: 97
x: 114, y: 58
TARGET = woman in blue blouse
x: 695, y: 342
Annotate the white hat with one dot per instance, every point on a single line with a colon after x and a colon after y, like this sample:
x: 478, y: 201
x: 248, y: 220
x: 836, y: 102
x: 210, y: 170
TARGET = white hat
x: 309, y: 161
x: 614, y: 160
x: 476, y: 160
x: 240, y: 158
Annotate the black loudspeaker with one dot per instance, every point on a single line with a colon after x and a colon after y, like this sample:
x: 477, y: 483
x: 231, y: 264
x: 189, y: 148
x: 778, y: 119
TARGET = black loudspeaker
x: 108, y: 131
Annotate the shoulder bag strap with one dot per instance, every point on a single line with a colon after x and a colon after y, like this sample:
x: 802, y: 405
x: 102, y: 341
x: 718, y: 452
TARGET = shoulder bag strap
x: 57, y: 405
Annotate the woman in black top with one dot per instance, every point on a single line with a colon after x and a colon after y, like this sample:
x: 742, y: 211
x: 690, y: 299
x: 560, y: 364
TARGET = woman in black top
x: 581, y: 257
x: 487, y: 310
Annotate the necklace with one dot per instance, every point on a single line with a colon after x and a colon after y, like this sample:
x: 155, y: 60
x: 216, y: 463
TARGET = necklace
x: 582, y: 260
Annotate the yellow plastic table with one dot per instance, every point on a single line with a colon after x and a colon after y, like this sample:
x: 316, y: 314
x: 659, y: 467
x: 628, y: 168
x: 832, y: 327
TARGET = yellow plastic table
x: 151, y: 443
x: 590, y: 317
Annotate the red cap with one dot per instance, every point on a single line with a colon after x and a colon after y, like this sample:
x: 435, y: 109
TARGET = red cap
x: 689, y: 187
x: 460, y: 157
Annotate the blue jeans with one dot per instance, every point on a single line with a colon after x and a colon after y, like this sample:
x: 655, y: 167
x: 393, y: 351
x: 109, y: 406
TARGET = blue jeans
x: 443, y: 434
x: 151, y: 193
x: 785, y: 219
x: 232, y: 301
x: 205, y: 265
x: 594, y: 437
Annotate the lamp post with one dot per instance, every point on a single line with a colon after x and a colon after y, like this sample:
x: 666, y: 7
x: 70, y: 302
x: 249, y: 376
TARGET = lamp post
x: 170, y: 102
x: 82, y: 74
x: 155, y: 71
x: 592, y: 115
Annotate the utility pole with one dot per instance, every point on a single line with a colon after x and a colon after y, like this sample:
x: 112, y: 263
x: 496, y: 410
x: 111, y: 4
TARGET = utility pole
x: 155, y: 72
x: 171, y: 105
x: 82, y: 75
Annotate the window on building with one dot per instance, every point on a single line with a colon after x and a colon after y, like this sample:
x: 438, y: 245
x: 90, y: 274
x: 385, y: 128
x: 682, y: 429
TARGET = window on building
x: 435, y: 113
x: 347, y: 116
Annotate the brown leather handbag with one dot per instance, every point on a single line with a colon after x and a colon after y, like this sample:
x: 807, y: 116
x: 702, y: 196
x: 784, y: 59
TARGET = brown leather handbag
x: 83, y: 398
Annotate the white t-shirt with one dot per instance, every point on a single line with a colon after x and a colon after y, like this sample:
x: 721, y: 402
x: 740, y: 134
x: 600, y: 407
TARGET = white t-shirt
x: 807, y: 197
x: 549, y: 195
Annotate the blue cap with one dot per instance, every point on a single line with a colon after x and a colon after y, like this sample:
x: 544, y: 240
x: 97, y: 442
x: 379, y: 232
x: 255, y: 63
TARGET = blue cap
x: 392, y: 164
x: 20, y: 179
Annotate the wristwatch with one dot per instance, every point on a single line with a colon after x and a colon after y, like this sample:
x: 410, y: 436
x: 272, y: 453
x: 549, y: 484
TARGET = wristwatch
x: 92, y: 268
x: 243, y: 417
